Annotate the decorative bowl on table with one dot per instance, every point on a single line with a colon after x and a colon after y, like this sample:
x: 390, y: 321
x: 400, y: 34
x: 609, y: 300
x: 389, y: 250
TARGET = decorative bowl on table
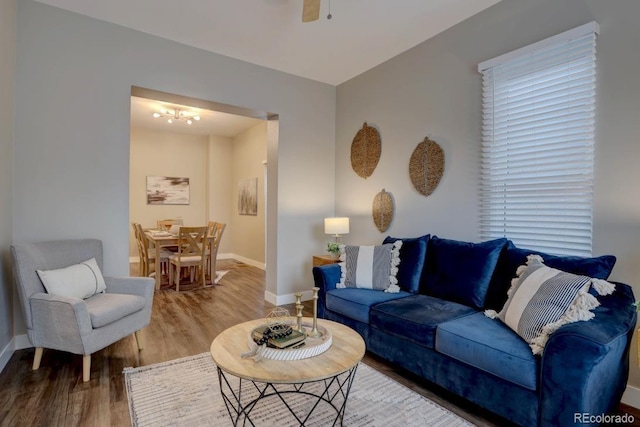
x: 309, y: 347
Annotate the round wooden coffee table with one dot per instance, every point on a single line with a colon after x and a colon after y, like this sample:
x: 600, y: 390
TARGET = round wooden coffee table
x: 309, y: 388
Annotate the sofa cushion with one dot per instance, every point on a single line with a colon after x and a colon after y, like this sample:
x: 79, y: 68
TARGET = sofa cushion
x: 490, y: 346
x: 416, y: 317
x: 461, y: 271
x: 370, y: 267
x: 356, y: 303
x: 412, y: 259
x: 512, y: 257
x: 107, y: 308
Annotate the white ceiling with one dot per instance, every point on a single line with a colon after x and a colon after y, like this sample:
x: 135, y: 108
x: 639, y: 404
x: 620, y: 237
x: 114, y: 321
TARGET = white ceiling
x: 360, y: 35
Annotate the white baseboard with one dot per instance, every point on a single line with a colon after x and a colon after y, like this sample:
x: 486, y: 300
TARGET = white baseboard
x: 18, y: 342
x: 6, y: 354
x: 21, y: 342
x: 278, y: 300
x: 631, y: 396
x: 251, y: 262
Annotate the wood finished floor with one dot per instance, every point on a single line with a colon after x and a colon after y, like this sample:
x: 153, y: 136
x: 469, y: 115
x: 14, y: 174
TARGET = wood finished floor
x: 182, y: 324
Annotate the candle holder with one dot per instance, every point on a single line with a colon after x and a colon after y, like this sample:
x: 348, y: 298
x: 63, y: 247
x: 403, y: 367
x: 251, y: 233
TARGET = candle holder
x: 299, y: 307
x: 314, y: 332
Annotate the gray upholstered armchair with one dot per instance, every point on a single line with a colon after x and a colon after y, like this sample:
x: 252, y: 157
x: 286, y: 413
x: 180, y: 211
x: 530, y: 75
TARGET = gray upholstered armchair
x: 79, y: 326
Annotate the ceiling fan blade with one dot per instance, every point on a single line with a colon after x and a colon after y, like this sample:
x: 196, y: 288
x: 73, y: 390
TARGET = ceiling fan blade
x: 310, y: 10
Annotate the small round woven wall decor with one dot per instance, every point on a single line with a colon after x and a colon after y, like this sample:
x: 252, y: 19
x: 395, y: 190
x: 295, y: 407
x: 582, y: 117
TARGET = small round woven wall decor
x: 365, y: 151
x: 426, y: 166
x: 382, y: 210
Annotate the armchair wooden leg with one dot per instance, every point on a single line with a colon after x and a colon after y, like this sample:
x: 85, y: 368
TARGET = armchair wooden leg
x: 37, y: 357
x: 86, y: 367
x: 138, y: 342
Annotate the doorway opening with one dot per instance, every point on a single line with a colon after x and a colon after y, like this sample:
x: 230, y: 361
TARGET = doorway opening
x: 222, y: 159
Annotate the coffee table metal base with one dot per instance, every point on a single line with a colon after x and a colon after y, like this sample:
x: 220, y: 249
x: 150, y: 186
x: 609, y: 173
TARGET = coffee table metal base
x: 242, y: 396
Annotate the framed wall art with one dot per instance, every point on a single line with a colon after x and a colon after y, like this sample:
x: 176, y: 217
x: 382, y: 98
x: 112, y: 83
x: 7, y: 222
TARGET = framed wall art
x: 167, y: 190
x: 248, y: 196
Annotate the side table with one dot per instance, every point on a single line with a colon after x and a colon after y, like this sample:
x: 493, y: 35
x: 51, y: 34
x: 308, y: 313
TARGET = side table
x: 319, y: 260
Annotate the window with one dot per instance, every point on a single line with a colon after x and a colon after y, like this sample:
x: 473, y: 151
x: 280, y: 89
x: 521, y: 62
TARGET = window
x: 538, y: 142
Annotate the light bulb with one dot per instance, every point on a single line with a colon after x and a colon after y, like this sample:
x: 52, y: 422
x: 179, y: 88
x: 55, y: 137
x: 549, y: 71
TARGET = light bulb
x: 189, y: 122
x: 169, y: 121
x: 156, y: 115
x: 196, y: 117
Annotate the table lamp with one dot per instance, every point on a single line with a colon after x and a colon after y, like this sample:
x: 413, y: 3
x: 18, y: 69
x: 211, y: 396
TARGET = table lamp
x: 336, y: 226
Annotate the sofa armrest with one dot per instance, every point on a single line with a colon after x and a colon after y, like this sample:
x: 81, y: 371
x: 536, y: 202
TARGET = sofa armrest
x: 585, y: 365
x: 59, y: 322
x: 325, y: 277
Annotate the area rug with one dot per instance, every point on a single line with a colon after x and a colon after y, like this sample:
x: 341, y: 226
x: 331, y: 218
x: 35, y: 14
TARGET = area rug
x: 185, y: 392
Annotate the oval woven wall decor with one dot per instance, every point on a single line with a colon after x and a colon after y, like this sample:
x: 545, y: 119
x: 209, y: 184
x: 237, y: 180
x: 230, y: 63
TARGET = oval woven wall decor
x: 426, y: 166
x: 365, y: 151
x: 382, y: 210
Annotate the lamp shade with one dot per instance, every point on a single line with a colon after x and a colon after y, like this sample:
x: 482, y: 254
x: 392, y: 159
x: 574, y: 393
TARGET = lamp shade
x: 336, y: 225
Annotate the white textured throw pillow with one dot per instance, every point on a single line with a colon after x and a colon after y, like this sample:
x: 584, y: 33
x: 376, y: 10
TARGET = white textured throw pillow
x: 79, y: 281
x: 370, y: 267
x: 542, y: 299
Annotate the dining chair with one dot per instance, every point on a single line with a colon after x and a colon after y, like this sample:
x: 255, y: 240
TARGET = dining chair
x: 61, y: 317
x: 191, y: 253
x: 215, y: 231
x: 165, y: 224
x: 147, y: 256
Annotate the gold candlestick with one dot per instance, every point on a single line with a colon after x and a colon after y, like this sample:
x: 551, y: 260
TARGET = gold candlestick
x: 314, y: 332
x: 298, y: 298
x: 299, y: 307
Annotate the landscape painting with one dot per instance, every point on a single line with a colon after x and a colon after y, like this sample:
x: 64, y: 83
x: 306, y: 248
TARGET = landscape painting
x: 248, y: 196
x: 167, y: 190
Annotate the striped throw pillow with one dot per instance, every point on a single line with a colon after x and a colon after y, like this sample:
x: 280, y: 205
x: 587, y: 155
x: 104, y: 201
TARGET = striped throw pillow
x: 370, y: 267
x: 542, y: 299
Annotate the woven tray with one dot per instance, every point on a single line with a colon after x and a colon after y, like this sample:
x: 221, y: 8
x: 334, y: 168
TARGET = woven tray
x: 312, y: 347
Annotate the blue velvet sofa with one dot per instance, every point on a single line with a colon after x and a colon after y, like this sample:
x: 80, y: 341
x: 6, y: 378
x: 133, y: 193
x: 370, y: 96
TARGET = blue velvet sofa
x: 435, y: 327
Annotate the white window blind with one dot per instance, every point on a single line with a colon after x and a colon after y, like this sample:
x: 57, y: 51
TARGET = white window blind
x: 537, y: 149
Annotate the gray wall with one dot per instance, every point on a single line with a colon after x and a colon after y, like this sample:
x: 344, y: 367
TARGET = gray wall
x: 7, y: 82
x: 434, y: 90
x: 74, y: 77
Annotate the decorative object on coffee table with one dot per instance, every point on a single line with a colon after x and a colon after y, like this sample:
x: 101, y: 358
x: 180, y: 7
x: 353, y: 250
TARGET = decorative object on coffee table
x: 299, y: 308
x: 365, y: 151
x: 314, y: 330
x: 309, y: 347
x: 426, y: 166
x: 382, y: 210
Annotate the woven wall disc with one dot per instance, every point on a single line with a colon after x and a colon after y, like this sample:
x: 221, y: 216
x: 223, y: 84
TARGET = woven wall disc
x: 382, y: 210
x: 426, y: 166
x: 365, y: 151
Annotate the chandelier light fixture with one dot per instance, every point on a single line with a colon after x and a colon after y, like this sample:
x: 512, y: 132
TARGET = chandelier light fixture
x: 176, y: 114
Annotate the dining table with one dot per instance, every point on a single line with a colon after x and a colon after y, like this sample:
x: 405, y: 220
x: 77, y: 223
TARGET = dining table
x: 161, y: 239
